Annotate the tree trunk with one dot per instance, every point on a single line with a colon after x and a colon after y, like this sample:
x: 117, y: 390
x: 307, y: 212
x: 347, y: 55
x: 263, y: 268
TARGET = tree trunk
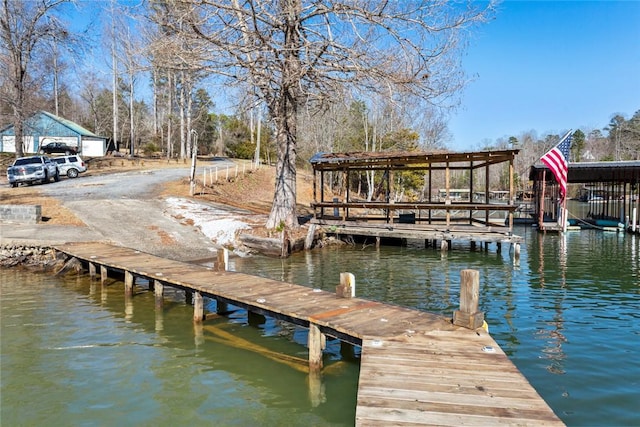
x: 132, y: 134
x: 284, y: 109
x: 18, y: 107
x: 283, y: 210
x: 114, y: 81
x: 181, y: 107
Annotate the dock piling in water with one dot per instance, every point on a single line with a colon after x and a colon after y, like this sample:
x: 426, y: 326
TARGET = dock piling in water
x: 222, y: 264
x: 468, y: 316
x: 198, y: 307
x: 129, y: 282
x: 347, y: 286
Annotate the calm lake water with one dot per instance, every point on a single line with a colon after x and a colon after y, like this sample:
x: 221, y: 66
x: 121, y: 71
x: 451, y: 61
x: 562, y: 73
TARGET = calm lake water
x: 73, y: 353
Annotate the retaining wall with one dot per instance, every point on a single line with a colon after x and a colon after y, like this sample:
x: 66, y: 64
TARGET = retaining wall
x: 31, y: 214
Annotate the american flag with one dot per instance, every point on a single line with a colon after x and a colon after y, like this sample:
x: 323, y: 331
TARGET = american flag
x: 557, y: 159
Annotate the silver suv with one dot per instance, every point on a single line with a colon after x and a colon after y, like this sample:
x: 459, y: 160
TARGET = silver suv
x: 70, y: 166
x: 31, y: 169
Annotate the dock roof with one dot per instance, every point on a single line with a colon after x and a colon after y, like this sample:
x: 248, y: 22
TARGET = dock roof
x: 407, y: 159
x: 620, y: 171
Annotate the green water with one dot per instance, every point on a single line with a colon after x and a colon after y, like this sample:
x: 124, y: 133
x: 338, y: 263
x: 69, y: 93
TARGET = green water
x: 74, y: 353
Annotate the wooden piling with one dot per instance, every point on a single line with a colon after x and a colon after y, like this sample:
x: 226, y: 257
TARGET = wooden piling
x: 347, y: 351
x: 311, y: 234
x: 129, y: 282
x: 468, y: 315
x: 198, y: 307
x: 92, y: 271
x: 315, y: 343
x: 222, y: 261
x: 158, y: 290
x: 347, y: 286
x: 255, y: 319
x: 103, y: 274
x: 222, y: 264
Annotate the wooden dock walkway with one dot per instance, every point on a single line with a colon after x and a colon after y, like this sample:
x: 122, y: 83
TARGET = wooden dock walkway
x: 417, y: 368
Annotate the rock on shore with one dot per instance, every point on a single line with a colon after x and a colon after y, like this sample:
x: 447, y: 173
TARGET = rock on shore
x: 32, y: 257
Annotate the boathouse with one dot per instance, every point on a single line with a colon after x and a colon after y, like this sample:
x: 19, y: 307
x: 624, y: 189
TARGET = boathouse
x: 432, y: 196
x: 604, y: 195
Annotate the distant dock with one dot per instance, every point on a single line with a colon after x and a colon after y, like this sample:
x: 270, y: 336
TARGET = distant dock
x: 608, y: 194
x: 417, y: 368
x: 370, y: 202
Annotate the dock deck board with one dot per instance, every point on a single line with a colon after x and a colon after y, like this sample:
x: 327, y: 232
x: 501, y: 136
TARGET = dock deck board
x: 416, y: 368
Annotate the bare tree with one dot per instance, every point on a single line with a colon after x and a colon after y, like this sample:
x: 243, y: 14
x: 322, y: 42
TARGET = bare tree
x: 23, y: 30
x: 294, y: 50
x: 180, y: 57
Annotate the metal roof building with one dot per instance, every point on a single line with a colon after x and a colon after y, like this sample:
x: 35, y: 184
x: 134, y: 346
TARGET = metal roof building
x: 43, y: 127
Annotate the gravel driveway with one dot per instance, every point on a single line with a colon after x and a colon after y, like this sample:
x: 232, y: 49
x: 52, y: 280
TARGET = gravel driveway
x: 124, y: 209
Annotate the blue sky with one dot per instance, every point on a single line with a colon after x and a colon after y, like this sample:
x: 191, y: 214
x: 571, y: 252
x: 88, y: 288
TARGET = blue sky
x: 546, y: 66
x: 550, y: 66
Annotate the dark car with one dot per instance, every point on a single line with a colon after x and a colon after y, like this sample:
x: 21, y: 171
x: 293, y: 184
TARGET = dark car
x: 58, y: 147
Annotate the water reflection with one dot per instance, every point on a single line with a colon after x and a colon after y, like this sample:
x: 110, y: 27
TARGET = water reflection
x: 552, y: 334
x: 128, y: 362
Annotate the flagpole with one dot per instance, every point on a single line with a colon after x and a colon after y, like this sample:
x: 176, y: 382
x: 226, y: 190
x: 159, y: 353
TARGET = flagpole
x: 541, y: 218
x: 557, y: 160
x: 565, y: 214
x: 565, y: 211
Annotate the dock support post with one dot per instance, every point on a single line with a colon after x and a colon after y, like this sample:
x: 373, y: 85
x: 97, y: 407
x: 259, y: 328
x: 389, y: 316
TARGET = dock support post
x: 444, y: 245
x: 222, y: 260
x: 468, y: 316
x: 377, y: 242
x: 158, y: 290
x: 347, y: 286
x: 347, y: 351
x: 311, y: 235
x: 316, y: 342
x: 222, y: 265
x: 255, y: 319
x: 129, y: 282
x: 516, y: 250
x: 103, y: 274
x: 634, y: 216
x: 473, y: 245
x: 92, y: 271
x: 198, y: 307
x: 498, y: 247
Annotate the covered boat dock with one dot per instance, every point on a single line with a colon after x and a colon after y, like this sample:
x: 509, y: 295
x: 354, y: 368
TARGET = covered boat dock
x: 435, y: 196
x: 603, y: 195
